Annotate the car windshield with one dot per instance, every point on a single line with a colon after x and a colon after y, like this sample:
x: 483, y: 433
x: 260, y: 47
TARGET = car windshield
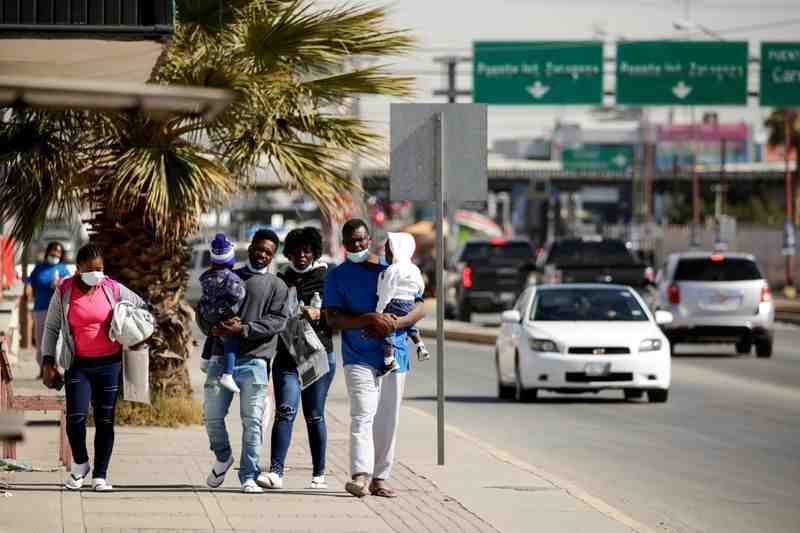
x: 587, y: 305
x: 590, y: 253
x: 497, y: 251
x: 717, y: 269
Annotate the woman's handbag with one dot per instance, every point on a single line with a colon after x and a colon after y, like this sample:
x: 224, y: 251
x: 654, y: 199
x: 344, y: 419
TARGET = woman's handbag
x: 304, y: 345
x: 131, y: 326
x: 136, y: 374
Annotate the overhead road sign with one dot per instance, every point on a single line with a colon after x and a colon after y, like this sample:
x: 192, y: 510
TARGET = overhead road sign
x: 780, y: 74
x: 538, y: 72
x: 601, y: 158
x: 682, y: 73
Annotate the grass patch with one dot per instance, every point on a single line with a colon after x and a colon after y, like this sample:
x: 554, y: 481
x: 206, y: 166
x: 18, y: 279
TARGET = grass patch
x: 163, y: 411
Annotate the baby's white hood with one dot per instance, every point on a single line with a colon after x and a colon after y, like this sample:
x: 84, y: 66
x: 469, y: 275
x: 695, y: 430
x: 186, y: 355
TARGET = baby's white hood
x: 403, y: 246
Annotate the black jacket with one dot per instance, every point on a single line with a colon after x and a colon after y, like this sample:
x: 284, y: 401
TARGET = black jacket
x: 307, y: 284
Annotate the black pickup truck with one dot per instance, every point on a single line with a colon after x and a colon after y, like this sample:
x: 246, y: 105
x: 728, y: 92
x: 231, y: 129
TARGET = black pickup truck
x: 592, y: 260
x: 491, y: 274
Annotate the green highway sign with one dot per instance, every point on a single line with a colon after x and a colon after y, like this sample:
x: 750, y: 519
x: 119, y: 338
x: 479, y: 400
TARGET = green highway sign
x: 599, y: 158
x: 682, y: 73
x: 538, y: 73
x: 780, y: 74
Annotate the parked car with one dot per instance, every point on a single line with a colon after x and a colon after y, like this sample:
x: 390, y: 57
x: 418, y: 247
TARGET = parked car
x: 593, y: 260
x: 575, y: 338
x: 717, y: 298
x: 491, y: 273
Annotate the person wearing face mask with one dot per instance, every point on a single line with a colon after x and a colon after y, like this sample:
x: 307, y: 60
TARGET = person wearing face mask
x: 303, y: 248
x: 350, y: 300
x: 261, y: 317
x: 43, y: 281
x: 80, y: 313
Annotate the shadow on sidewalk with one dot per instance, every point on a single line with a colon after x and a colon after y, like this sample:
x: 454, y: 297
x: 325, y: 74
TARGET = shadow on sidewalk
x: 168, y: 489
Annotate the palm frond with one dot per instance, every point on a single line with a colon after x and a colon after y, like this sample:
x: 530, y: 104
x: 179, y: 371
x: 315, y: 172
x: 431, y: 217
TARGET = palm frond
x: 39, y: 160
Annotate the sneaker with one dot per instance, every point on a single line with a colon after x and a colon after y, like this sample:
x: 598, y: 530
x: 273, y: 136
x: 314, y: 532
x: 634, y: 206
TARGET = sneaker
x: 270, y: 481
x: 217, y: 475
x: 77, y: 475
x: 227, y: 381
x: 250, y: 487
x: 422, y: 353
x: 318, y: 482
x: 102, y: 485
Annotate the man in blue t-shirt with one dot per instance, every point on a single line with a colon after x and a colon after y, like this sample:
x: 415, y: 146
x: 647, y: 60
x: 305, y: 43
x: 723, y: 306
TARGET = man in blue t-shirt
x: 350, y: 301
x: 43, y: 280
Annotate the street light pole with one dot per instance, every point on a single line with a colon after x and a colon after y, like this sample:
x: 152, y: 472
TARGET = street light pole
x: 788, y: 229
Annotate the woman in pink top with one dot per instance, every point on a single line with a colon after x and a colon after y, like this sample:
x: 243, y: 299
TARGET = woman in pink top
x: 80, y: 313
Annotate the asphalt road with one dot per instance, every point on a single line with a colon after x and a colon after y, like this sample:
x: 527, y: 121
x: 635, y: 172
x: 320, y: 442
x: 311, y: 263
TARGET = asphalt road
x: 722, y: 455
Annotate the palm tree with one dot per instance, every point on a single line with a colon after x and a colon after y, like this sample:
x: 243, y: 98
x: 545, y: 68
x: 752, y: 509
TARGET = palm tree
x: 147, y: 179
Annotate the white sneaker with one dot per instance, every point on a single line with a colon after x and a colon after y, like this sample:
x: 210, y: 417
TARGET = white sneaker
x: 227, y: 381
x: 77, y: 475
x: 422, y: 353
x: 270, y: 481
x: 102, y: 485
x: 218, y: 471
x: 250, y: 487
x: 318, y: 482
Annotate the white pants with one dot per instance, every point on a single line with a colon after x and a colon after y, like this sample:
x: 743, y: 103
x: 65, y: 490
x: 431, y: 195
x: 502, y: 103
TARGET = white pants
x: 374, y: 416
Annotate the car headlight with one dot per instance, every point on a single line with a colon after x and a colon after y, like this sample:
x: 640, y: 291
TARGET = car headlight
x: 650, y: 345
x: 543, y: 345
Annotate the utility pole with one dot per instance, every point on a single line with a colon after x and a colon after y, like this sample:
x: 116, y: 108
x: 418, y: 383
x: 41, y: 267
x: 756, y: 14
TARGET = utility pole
x: 788, y: 225
x: 452, y: 92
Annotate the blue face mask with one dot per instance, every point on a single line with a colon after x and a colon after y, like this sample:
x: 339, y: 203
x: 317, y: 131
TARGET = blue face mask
x: 53, y: 260
x: 358, y: 257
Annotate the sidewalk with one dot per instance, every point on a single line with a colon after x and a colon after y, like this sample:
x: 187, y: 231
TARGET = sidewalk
x: 159, y: 476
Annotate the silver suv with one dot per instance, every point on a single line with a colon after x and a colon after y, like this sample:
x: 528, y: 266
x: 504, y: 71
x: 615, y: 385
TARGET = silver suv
x: 717, y: 298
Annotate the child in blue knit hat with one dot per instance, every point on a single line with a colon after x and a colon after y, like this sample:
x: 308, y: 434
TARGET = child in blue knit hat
x: 223, y: 294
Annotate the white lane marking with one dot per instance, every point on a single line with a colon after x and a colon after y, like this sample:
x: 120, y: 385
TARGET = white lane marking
x: 569, y: 487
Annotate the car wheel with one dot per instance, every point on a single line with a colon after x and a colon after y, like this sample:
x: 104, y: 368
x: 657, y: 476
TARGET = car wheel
x: 504, y: 392
x: 744, y: 347
x: 521, y: 394
x: 658, y: 395
x: 633, y: 394
x: 764, y: 349
x: 465, y: 313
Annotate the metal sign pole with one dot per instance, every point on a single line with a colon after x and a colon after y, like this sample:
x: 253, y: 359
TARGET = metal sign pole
x: 440, y: 288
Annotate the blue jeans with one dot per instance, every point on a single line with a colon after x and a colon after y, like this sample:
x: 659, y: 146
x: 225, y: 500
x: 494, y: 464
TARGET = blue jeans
x: 287, y: 398
x: 100, y: 385
x: 231, y: 347
x: 398, y: 308
x: 251, y: 376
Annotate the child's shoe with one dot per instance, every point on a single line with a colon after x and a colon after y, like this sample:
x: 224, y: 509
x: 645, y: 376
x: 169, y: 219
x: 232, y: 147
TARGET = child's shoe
x: 227, y: 381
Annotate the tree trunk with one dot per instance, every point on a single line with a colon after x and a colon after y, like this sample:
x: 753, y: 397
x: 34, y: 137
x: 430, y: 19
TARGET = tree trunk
x: 158, y: 274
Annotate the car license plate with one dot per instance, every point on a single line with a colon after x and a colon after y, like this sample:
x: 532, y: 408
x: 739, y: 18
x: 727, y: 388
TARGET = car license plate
x: 597, y: 369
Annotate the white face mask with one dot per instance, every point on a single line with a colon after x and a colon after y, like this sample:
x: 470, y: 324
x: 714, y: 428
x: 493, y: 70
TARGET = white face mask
x: 53, y: 260
x: 358, y: 257
x: 257, y: 270
x: 304, y: 270
x: 92, y: 278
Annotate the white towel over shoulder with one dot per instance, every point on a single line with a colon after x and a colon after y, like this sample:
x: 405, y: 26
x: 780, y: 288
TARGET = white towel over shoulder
x: 402, y: 280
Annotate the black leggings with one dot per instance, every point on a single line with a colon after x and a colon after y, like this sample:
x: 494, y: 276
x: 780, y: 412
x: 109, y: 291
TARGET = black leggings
x: 95, y: 379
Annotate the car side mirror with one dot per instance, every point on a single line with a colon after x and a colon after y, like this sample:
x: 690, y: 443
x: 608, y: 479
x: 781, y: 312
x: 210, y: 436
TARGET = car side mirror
x: 512, y: 316
x: 664, y: 317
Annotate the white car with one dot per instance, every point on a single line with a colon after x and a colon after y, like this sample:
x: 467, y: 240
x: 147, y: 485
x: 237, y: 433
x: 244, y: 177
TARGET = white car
x: 576, y: 338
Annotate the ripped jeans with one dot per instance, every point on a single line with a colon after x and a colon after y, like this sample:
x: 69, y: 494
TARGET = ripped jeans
x: 287, y: 401
x: 96, y: 381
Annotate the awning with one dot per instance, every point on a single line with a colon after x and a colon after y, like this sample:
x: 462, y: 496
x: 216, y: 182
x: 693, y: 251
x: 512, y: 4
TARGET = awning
x: 109, y: 96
